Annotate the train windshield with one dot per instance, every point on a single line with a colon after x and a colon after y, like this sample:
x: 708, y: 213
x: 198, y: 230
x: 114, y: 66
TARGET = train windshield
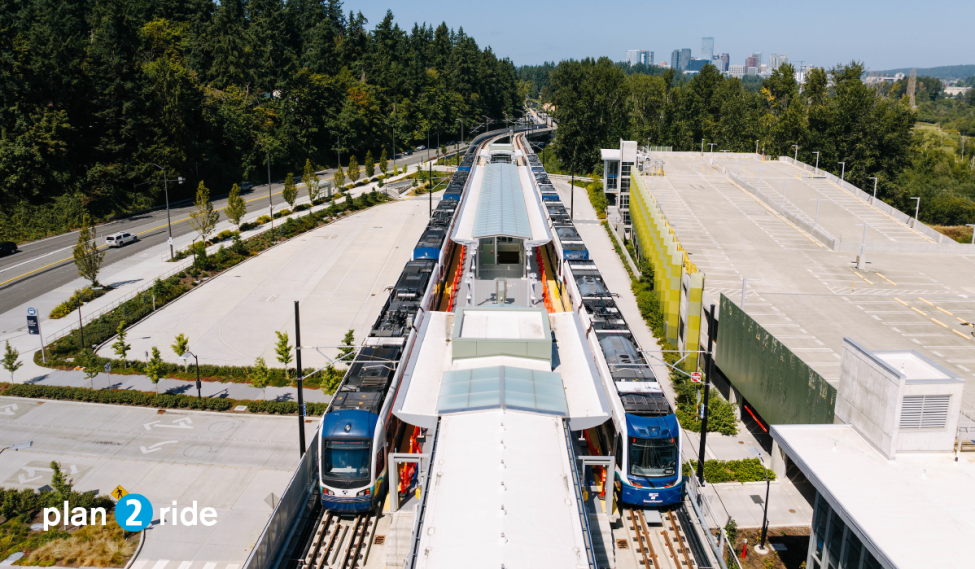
x: 653, y: 457
x: 345, y: 462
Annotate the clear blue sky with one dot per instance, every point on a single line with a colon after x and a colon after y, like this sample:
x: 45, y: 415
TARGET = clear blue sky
x: 884, y: 35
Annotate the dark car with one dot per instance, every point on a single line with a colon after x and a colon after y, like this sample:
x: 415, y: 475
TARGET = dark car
x: 7, y: 248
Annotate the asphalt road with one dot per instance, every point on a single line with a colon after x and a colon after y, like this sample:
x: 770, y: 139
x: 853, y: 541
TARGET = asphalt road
x: 42, y: 266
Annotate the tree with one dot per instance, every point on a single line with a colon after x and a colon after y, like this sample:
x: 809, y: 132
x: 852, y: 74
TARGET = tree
x: 348, y: 344
x: 260, y: 375
x: 61, y: 483
x: 119, y: 346
x: 203, y: 218
x: 339, y: 178
x: 180, y: 346
x: 353, y: 169
x: 310, y: 180
x: 236, y: 206
x: 87, y: 257
x: 154, y: 368
x: 283, y: 350
x: 370, y: 165
x: 89, y: 362
x: 290, y: 191
x: 11, y: 360
x: 384, y: 160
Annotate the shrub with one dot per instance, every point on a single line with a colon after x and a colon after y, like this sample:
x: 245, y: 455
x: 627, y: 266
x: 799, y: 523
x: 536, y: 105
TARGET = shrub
x: 282, y: 213
x: 744, y: 470
x: 597, y: 198
x: 262, y: 220
x: 161, y: 401
x: 79, y: 297
x: 249, y: 225
x: 302, y: 207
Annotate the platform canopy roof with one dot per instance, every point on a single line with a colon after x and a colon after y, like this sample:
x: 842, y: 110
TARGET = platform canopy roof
x: 501, y: 208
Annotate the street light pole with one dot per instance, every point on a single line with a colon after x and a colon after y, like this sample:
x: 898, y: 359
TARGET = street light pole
x: 816, y: 223
x: 843, y: 171
x: 301, y: 397
x: 861, y: 258
x: 712, y: 145
x: 169, y: 221
x: 270, y: 204
x: 874, y: 189
x: 796, y: 158
x: 973, y: 231
x: 917, y: 209
x: 817, y: 160
x: 744, y: 286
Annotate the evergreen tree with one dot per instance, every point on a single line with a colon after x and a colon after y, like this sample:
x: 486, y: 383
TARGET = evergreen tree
x: 267, y: 40
x: 228, y: 48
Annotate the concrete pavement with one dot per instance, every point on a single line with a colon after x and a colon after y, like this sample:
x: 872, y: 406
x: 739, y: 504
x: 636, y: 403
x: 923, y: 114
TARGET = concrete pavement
x: 229, y: 462
x: 787, y: 505
x: 45, y: 265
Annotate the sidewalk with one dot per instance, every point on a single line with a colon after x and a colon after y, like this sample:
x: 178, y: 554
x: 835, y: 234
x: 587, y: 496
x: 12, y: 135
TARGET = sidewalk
x: 221, y: 390
x: 127, y: 276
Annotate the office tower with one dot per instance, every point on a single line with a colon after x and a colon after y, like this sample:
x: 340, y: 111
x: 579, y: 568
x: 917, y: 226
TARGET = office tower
x: 685, y: 58
x: 752, y: 61
x: 646, y: 57
x: 633, y: 56
x: 707, y: 48
x: 675, y: 59
x: 736, y: 70
x: 725, y: 59
x: 776, y: 60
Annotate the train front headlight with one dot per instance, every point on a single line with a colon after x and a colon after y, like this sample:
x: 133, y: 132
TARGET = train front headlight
x: 365, y: 492
x: 327, y: 492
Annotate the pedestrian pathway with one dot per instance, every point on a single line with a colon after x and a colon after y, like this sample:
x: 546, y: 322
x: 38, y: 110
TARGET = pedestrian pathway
x: 221, y: 390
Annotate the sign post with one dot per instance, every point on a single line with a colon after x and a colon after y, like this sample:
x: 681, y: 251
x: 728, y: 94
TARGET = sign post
x: 34, y: 329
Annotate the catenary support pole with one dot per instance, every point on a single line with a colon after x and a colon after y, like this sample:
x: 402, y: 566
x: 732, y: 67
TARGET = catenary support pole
x: 301, y: 396
x: 707, y: 395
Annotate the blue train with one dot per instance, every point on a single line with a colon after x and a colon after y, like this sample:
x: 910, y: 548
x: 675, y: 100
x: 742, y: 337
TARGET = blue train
x: 359, y: 429
x: 643, y: 434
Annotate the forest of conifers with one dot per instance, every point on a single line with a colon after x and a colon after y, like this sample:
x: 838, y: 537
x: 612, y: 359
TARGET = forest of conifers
x: 94, y: 92
x: 833, y: 112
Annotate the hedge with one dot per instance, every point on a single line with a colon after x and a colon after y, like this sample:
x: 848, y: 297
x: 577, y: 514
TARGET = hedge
x: 160, y: 401
x: 744, y: 470
x: 80, y: 296
x: 105, y: 326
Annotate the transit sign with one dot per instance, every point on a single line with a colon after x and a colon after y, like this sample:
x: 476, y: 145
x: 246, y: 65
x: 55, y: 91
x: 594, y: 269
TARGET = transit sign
x: 32, y: 327
x: 31, y: 312
x: 696, y: 377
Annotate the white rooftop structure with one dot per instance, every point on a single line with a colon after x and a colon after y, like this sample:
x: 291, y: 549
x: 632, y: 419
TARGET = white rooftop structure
x: 915, y: 510
x: 501, y: 495
x: 501, y: 201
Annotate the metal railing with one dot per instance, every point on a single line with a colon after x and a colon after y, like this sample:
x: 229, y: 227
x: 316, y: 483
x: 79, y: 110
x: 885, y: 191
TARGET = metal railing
x: 577, y: 482
x: 88, y: 319
x: 296, y: 494
x: 421, y: 508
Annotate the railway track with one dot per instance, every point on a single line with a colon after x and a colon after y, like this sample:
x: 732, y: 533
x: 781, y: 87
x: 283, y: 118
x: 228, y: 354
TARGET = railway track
x: 663, y: 548
x: 340, y: 543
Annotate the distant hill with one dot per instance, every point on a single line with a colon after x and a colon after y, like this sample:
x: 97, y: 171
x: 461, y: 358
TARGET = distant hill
x: 944, y: 72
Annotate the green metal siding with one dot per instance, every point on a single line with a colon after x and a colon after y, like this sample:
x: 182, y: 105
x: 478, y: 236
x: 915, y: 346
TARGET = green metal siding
x: 781, y: 387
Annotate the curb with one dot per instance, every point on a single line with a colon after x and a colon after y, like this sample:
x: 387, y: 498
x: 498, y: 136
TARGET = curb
x: 142, y: 540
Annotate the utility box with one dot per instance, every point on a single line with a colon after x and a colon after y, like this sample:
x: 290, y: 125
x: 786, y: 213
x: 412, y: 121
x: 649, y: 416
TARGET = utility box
x: 898, y: 400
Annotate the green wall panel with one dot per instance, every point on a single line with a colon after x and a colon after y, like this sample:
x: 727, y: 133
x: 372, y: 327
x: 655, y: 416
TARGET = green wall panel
x: 781, y: 387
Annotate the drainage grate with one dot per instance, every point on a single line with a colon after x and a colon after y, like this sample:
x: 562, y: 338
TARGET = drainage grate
x: 380, y: 539
x: 622, y: 544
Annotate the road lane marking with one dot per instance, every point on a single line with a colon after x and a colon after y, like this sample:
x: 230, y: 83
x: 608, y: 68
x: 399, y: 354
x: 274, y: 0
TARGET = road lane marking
x: 156, y: 447
x: 34, y: 259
